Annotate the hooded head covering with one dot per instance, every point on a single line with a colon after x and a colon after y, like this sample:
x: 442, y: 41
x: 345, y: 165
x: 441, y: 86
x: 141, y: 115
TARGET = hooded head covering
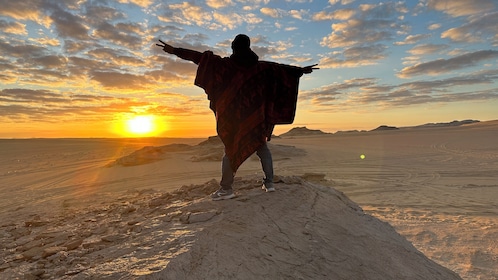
x: 242, y: 53
x: 241, y: 43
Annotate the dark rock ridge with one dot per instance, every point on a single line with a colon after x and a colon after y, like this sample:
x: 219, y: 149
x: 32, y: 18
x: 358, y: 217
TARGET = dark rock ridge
x: 302, y: 131
x: 385, y: 127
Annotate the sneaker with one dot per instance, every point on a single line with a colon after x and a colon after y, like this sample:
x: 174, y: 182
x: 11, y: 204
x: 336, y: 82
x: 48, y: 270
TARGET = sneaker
x: 222, y: 194
x: 270, y: 188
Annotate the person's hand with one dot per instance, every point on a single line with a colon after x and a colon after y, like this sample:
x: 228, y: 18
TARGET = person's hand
x: 310, y: 68
x: 167, y: 48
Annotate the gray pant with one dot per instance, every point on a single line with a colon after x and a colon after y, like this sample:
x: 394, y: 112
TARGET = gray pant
x: 264, y: 155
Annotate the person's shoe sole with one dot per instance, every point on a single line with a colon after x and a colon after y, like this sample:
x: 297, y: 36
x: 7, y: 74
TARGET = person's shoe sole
x: 223, y: 197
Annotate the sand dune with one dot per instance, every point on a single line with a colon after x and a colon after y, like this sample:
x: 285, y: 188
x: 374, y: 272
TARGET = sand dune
x: 69, y: 210
x: 208, y: 150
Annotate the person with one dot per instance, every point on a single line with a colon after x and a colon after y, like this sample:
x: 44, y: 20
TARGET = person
x: 248, y: 97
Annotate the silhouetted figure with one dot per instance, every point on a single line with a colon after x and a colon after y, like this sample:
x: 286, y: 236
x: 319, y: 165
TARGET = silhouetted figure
x: 248, y: 97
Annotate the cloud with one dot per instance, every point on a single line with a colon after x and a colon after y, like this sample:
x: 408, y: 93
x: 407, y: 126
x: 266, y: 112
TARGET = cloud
x: 343, y: 2
x: 338, y: 88
x: 119, y: 34
x: 13, y: 27
x: 252, y: 19
x: 122, y: 81
x: 298, y: 14
x: 231, y: 21
x: 330, y: 95
x: 96, y: 14
x: 362, y: 36
x: 425, y: 49
x: 365, y: 92
x: 24, y: 10
x: 116, y: 57
x: 412, y: 39
x: 187, y: 13
x: 74, y: 47
x: 271, y: 12
x: 343, y: 14
x: 280, y: 13
x: 21, y: 51
x: 51, y: 61
x: 217, y: 4
x: 46, y: 41
x: 458, y: 8
x: 478, y: 29
x: 434, y: 26
x: 354, y: 57
x: 441, y: 66
x: 40, y: 65
x: 358, y: 31
x: 26, y: 105
x: 411, y: 100
x: 68, y: 25
x: 479, y: 77
x: 140, y: 3
x: 30, y: 96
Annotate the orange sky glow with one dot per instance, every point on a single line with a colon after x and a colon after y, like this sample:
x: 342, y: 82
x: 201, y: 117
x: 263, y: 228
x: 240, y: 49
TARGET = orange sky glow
x: 86, y: 68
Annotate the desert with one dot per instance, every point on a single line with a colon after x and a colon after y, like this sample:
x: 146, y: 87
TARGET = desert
x: 408, y: 203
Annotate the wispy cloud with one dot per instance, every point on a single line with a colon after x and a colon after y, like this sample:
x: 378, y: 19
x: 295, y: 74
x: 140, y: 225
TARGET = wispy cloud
x: 354, y: 57
x: 425, y: 49
x: 458, y: 8
x: 412, y: 39
x: 478, y: 29
x: 47, y: 106
x: 356, y: 93
x: 367, y: 31
x: 342, y: 14
x: 441, y: 66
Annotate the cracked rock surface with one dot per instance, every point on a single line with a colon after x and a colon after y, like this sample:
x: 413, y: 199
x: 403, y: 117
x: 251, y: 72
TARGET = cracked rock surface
x: 304, y: 230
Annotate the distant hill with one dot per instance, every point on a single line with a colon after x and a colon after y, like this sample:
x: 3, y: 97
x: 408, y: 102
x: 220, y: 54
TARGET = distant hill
x: 427, y: 125
x: 453, y: 123
x: 385, y: 127
x: 347, y: 132
x: 302, y: 131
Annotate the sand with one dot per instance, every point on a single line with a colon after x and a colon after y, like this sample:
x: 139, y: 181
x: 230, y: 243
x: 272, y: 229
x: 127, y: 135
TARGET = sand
x: 80, y: 208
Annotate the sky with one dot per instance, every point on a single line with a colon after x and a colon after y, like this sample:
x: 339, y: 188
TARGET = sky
x: 78, y: 68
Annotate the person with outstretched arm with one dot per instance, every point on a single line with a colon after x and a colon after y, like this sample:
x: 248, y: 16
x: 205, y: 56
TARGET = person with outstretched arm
x: 248, y: 97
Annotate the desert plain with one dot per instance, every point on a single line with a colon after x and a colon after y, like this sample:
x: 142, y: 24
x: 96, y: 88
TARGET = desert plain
x: 64, y: 199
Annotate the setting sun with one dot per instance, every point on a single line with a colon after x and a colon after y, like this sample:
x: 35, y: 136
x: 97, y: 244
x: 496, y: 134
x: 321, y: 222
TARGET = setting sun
x: 140, y: 125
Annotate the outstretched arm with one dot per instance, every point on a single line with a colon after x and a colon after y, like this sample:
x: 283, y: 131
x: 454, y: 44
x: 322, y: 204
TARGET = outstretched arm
x: 310, y: 68
x: 296, y: 70
x: 167, y: 48
x: 186, y: 54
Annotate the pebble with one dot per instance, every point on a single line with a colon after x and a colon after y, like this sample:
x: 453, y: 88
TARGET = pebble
x: 33, y: 253
x: 201, y: 216
x: 52, y: 250
x: 73, y: 244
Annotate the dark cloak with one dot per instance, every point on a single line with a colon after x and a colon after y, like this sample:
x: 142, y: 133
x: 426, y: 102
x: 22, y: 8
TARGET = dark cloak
x: 247, y: 101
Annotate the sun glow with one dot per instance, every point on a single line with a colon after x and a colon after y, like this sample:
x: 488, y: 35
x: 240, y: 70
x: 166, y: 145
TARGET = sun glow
x: 140, y: 126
